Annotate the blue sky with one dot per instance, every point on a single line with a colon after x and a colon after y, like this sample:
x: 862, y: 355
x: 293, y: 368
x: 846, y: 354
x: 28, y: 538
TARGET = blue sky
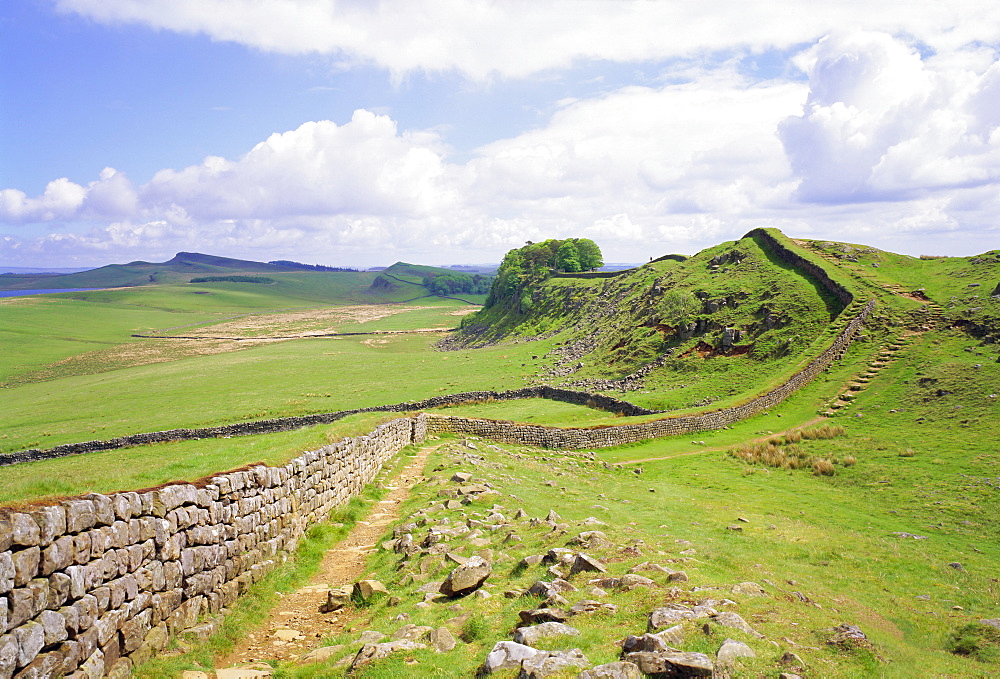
x: 357, y: 133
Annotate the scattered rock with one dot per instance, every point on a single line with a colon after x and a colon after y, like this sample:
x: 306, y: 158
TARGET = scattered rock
x: 549, y: 663
x: 670, y: 664
x: 748, y: 589
x: 371, y: 637
x: 337, y: 599
x: 371, y: 652
x: 529, y: 636
x: 365, y: 590
x: 442, y: 640
x: 957, y: 566
x: 850, y: 637
x: 612, y: 670
x: 647, y: 643
x: 731, y: 650
x: 790, y: 659
x: 586, y: 564
x: 539, y: 615
x: 734, y: 620
x: 467, y: 577
x: 590, y: 606
x: 321, y: 654
x: 507, y: 655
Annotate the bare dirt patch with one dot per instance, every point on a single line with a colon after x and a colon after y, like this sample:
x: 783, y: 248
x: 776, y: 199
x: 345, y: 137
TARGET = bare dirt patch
x: 300, y: 323
x: 297, y: 618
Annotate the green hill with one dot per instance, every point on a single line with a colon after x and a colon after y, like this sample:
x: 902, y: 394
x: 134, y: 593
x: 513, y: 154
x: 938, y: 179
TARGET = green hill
x: 179, y: 269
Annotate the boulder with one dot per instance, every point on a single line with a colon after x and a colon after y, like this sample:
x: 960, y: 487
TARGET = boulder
x: 539, y: 615
x: 748, y: 589
x: 337, y: 599
x: 731, y: 650
x: 672, y: 665
x: 668, y: 616
x: 321, y: 654
x: 586, y: 564
x: 371, y: 652
x: 552, y: 663
x: 529, y: 636
x: 647, y: 643
x: 442, y: 640
x: 467, y: 577
x: 507, y: 655
x: 365, y: 590
x: 734, y: 620
x: 612, y: 670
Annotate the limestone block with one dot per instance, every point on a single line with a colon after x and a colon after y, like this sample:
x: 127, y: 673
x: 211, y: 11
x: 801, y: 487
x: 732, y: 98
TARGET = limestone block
x: 30, y: 640
x: 58, y: 555
x: 24, y: 530
x: 51, y: 520
x: 103, y: 596
x: 6, y: 572
x: 54, y: 626
x: 120, y: 534
x: 100, y: 542
x: 26, y: 563
x: 71, y: 653
x: 122, y: 669
x: 93, y: 666
x: 43, y: 666
x: 104, y: 510
x: 59, y: 590
x: 86, y: 608
x: 81, y: 548
x: 134, y: 631
x: 71, y: 618
x: 3, y: 615
x: 6, y: 534
x: 8, y: 654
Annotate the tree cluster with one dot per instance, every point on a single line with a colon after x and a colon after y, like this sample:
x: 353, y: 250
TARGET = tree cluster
x: 537, y: 261
x: 309, y: 267
x: 451, y: 284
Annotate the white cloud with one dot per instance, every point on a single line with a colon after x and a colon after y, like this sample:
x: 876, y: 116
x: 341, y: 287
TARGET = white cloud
x: 515, y: 38
x: 880, y: 146
x: 881, y: 123
x: 61, y: 199
x: 363, y: 167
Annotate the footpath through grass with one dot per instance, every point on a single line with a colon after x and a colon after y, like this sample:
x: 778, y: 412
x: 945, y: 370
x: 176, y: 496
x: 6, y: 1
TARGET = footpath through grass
x: 825, y: 551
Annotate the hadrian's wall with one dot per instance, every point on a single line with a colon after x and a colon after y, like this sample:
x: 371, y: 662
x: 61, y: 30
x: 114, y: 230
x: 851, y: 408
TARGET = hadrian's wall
x: 602, y: 437
x: 93, y: 585
x: 289, y: 423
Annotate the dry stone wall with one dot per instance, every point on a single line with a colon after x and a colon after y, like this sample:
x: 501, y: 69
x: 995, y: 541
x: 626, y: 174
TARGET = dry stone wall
x: 603, y: 437
x: 289, y: 423
x: 93, y: 585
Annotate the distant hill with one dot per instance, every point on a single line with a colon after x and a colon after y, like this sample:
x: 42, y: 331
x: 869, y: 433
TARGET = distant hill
x: 179, y: 269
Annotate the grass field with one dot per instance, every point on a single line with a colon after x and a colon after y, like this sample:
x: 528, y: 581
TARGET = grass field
x: 919, y: 454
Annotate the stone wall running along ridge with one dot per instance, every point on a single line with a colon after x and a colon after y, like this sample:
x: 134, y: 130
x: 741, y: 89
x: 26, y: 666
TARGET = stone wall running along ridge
x: 603, y: 437
x: 93, y: 585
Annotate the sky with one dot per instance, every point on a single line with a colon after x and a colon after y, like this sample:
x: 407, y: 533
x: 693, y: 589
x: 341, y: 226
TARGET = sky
x: 360, y: 133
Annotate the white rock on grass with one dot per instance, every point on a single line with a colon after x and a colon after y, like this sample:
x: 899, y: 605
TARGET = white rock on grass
x: 529, y: 636
x: 731, y: 650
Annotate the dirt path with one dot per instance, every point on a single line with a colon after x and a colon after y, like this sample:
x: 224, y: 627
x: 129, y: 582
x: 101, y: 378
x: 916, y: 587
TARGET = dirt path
x: 296, y: 626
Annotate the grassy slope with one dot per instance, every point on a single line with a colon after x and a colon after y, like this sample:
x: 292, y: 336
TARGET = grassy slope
x: 623, y: 313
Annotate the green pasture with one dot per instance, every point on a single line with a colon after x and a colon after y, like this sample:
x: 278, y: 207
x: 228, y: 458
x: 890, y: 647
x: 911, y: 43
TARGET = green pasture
x: 154, y: 464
